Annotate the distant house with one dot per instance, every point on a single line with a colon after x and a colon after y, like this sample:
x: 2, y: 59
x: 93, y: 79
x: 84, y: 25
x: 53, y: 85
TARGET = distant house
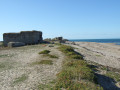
x: 26, y: 37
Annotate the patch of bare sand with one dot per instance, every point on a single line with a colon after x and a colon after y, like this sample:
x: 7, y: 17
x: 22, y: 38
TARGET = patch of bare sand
x: 20, y: 59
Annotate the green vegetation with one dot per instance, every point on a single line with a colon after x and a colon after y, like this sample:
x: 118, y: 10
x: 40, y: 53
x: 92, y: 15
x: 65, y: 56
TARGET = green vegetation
x: 5, y: 55
x: 109, y: 71
x: 103, y: 68
x: 44, y: 52
x: 98, y: 55
x: 51, y: 45
x: 113, y: 75
x: 69, y: 51
x: 49, y: 62
x: 2, y: 65
x: 6, y: 65
x: 76, y: 74
x: 58, y: 44
x: 44, y: 87
x: 49, y: 55
x: 20, y: 79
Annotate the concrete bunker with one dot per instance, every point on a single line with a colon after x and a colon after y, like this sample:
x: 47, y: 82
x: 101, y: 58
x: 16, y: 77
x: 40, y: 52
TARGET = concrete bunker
x: 26, y: 37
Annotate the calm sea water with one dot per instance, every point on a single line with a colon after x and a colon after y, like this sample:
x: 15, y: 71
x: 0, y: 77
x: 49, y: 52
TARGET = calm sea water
x: 116, y: 41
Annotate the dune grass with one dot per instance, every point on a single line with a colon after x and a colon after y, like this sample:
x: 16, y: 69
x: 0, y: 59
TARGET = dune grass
x: 51, y: 56
x: 5, y: 55
x: 44, y: 87
x: 20, y: 79
x: 2, y: 65
x: 113, y: 75
x: 47, y: 62
x: 44, y: 52
x: 69, y: 51
x: 76, y: 73
x: 6, y: 65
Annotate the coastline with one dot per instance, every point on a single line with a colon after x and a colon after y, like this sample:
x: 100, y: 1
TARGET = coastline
x: 115, y: 41
x: 106, y: 54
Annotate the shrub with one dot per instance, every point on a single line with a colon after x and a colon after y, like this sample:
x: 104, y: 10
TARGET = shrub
x: 44, y: 52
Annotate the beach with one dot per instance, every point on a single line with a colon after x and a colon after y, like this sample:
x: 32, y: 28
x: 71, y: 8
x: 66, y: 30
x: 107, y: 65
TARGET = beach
x: 20, y: 67
x: 107, y: 54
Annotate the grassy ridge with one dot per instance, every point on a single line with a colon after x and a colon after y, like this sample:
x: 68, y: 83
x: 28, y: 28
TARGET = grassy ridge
x: 76, y: 74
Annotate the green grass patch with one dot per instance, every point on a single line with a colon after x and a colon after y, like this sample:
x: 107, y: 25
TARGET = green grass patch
x: 76, y: 74
x: 6, y: 65
x: 44, y: 87
x: 98, y: 55
x: 69, y: 51
x: 5, y: 55
x: 58, y: 44
x: 48, y: 62
x: 113, y: 75
x: 2, y: 65
x: 44, y: 52
x: 20, y: 79
x: 49, y: 55
x: 104, y: 68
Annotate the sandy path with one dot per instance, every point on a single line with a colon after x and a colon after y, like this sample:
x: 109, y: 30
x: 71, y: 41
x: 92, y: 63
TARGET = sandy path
x: 102, y: 53
x: 17, y: 63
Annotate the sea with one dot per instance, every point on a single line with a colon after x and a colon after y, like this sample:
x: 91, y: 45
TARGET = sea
x: 116, y: 41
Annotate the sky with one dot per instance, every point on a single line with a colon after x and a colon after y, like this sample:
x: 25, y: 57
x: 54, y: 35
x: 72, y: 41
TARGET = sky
x: 72, y: 19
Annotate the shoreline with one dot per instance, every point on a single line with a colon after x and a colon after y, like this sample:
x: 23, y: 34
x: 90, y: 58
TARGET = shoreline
x: 106, y: 54
x: 118, y: 43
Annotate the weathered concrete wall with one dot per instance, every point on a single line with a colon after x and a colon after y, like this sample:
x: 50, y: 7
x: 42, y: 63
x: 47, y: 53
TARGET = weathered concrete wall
x: 15, y: 44
x: 27, y: 37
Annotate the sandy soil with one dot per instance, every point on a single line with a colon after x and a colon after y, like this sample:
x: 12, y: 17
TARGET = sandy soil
x: 16, y: 62
x: 106, y: 54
